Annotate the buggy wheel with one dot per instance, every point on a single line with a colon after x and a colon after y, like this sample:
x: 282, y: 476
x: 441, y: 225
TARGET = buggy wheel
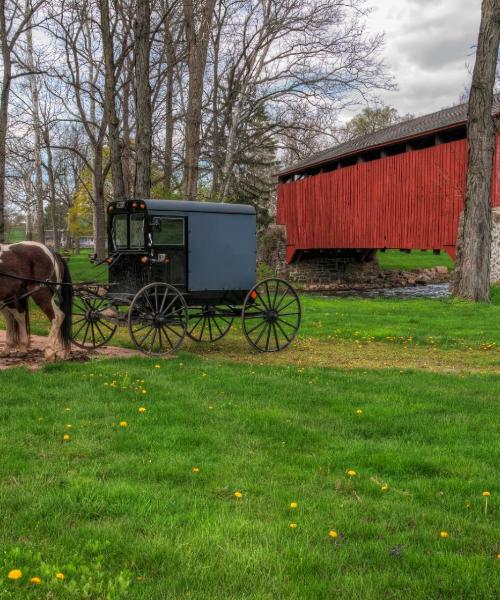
x: 92, y: 324
x: 157, y: 319
x: 271, y: 315
x: 209, y: 323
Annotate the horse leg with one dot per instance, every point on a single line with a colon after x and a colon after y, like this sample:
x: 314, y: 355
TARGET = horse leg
x: 45, y: 300
x: 21, y: 319
x: 12, y: 333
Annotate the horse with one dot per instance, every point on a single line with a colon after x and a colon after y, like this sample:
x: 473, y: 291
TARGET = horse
x: 31, y: 270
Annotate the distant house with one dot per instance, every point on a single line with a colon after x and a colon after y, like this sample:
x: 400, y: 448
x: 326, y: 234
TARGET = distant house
x: 86, y: 241
x: 401, y: 187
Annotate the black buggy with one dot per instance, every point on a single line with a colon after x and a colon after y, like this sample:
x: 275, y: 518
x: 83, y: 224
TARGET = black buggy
x: 180, y: 268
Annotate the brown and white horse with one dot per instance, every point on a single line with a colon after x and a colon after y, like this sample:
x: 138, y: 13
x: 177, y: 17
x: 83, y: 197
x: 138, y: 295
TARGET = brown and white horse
x: 33, y: 263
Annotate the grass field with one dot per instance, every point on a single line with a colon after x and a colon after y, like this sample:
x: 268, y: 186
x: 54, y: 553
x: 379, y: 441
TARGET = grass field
x: 416, y: 259
x: 121, y: 513
x: 403, y: 393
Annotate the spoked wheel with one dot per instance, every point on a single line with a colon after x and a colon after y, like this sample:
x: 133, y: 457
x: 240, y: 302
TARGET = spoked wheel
x: 158, y: 319
x: 209, y: 323
x: 92, y: 325
x: 271, y: 315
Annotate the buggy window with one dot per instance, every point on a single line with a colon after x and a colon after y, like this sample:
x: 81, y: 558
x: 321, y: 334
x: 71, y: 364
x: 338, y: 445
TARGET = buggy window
x: 136, y: 231
x: 170, y: 233
x: 119, y: 231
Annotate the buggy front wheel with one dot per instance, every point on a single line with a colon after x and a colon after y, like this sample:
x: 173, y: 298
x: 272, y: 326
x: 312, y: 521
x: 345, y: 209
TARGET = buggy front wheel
x: 271, y: 315
x: 93, y: 323
x: 158, y: 319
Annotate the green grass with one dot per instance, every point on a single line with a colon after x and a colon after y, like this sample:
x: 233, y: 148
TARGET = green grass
x: 119, y: 511
x: 114, y: 504
x: 446, y: 323
x: 15, y: 234
x: 417, y: 259
x: 83, y: 270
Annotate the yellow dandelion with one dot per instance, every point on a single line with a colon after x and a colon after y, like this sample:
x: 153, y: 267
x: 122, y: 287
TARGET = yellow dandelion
x: 293, y: 505
x: 66, y: 437
x: 123, y: 423
x: 144, y: 392
x: 210, y: 407
x: 238, y: 495
x: 60, y: 576
x: 293, y: 525
x: 486, y: 494
x: 351, y: 473
x: 359, y: 411
x: 69, y: 426
x: 142, y: 409
x: 498, y: 555
x: 195, y: 469
x: 332, y: 534
x: 15, y: 574
x: 157, y: 366
x: 443, y: 534
x: 384, y: 487
x: 35, y: 580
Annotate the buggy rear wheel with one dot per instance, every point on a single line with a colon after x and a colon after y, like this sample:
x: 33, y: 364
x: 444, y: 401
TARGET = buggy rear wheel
x: 158, y: 319
x: 209, y: 323
x: 271, y: 315
x: 92, y: 324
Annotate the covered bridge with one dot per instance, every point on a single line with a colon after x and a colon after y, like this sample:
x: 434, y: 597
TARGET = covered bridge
x: 401, y: 187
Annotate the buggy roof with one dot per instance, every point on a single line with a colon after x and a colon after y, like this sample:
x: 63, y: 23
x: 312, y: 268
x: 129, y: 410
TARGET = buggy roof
x: 190, y: 206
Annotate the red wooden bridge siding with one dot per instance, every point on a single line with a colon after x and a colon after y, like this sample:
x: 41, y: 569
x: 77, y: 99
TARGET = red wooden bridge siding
x: 411, y: 200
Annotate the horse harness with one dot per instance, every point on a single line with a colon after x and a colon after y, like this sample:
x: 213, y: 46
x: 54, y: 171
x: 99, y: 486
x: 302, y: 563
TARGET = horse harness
x: 51, y: 285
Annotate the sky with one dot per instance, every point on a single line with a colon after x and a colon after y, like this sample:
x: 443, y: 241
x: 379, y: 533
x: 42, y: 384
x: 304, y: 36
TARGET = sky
x: 428, y: 46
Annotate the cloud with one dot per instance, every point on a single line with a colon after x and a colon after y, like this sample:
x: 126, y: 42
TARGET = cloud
x: 429, y: 44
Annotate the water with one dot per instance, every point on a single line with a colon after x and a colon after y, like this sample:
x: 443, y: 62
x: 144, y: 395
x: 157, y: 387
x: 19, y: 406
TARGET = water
x: 433, y: 290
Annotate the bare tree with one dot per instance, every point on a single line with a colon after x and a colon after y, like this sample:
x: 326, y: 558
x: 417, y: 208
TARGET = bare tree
x: 472, y: 277
x: 144, y: 125
x: 16, y: 17
x: 37, y: 150
x: 110, y: 95
x: 78, y: 86
x: 197, y: 22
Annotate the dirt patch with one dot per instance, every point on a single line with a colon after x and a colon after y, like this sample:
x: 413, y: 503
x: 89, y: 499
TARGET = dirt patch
x: 36, y: 359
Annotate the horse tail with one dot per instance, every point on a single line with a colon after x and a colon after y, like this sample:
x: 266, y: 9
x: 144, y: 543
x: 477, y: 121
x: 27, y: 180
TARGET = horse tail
x: 66, y: 302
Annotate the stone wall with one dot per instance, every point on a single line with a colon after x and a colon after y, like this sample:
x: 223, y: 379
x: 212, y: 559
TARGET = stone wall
x: 330, y: 266
x: 495, y: 246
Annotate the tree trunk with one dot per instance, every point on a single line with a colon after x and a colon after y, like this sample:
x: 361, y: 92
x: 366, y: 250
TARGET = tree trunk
x: 169, y: 110
x: 4, y: 112
x: 144, y: 124
x: 109, y: 104
x: 98, y: 194
x: 52, y: 188
x: 37, y: 150
x: 216, y: 134
x: 230, y: 149
x: 126, y: 152
x: 197, y: 48
x: 472, y: 277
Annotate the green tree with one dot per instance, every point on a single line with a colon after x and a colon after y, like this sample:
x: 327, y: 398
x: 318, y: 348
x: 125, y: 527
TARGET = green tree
x: 370, y: 120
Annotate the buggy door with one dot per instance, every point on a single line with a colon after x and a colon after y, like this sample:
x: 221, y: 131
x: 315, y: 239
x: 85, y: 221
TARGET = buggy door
x: 169, y: 248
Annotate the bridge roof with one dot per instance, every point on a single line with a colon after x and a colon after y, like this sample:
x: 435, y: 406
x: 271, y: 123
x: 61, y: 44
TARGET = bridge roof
x: 400, y: 132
